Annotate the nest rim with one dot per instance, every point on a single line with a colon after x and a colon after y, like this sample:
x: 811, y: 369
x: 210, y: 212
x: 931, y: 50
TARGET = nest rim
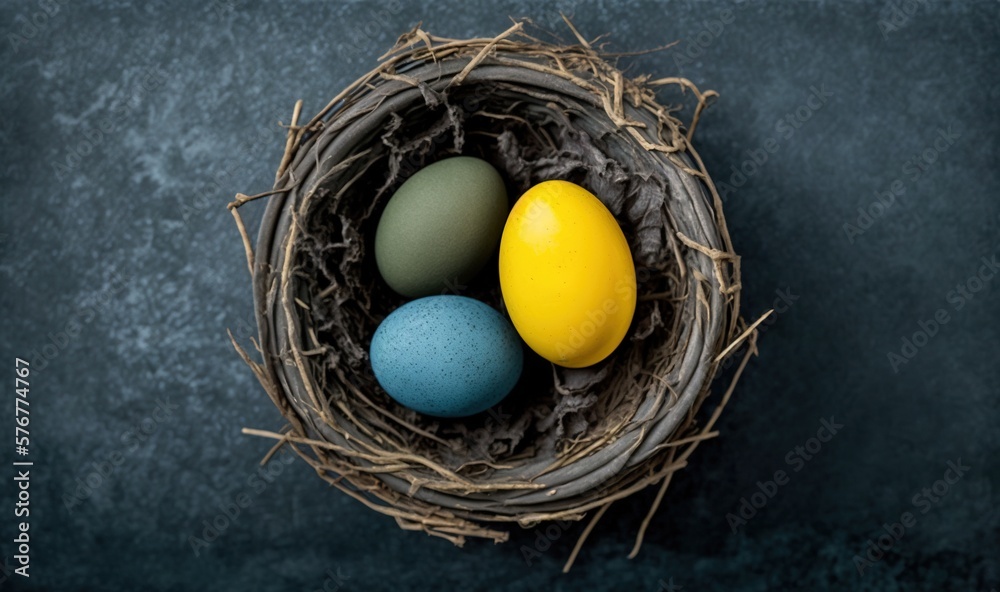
x: 631, y: 106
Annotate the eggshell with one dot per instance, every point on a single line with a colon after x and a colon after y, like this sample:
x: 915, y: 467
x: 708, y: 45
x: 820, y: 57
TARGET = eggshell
x: 447, y: 356
x: 567, y: 275
x: 441, y: 226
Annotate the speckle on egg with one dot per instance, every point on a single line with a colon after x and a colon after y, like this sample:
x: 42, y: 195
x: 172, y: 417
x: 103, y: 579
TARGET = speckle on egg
x: 447, y: 356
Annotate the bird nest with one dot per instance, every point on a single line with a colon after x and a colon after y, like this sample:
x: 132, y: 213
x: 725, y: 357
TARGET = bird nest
x: 565, y: 442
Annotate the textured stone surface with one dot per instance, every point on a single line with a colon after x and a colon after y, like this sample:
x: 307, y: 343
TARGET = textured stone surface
x: 128, y: 246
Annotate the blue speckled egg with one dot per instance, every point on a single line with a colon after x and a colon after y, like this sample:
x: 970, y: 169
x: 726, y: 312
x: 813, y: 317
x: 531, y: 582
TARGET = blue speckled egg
x: 447, y: 356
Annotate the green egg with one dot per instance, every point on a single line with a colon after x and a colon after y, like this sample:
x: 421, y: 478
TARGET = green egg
x: 441, y: 226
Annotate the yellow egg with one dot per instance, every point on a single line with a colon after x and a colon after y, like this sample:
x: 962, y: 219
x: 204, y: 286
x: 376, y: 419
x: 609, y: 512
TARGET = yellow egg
x: 566, y: 274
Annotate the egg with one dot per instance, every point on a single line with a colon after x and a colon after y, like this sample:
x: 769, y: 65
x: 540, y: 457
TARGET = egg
x: 441, y: 226
x: 447, y: 356
x: 566, y: 274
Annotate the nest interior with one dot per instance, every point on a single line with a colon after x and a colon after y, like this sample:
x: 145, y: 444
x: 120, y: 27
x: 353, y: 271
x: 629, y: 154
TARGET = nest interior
x: 529, y: 140
x: 565, y: 441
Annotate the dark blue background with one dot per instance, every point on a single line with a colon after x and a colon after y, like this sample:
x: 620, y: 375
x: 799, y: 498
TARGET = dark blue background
x: 129, y: 248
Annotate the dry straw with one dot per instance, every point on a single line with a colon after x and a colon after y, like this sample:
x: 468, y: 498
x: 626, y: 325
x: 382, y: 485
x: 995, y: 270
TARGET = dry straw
x: 566, y: 443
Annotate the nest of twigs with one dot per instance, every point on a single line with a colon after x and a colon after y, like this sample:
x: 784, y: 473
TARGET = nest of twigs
x: 565, y: 442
